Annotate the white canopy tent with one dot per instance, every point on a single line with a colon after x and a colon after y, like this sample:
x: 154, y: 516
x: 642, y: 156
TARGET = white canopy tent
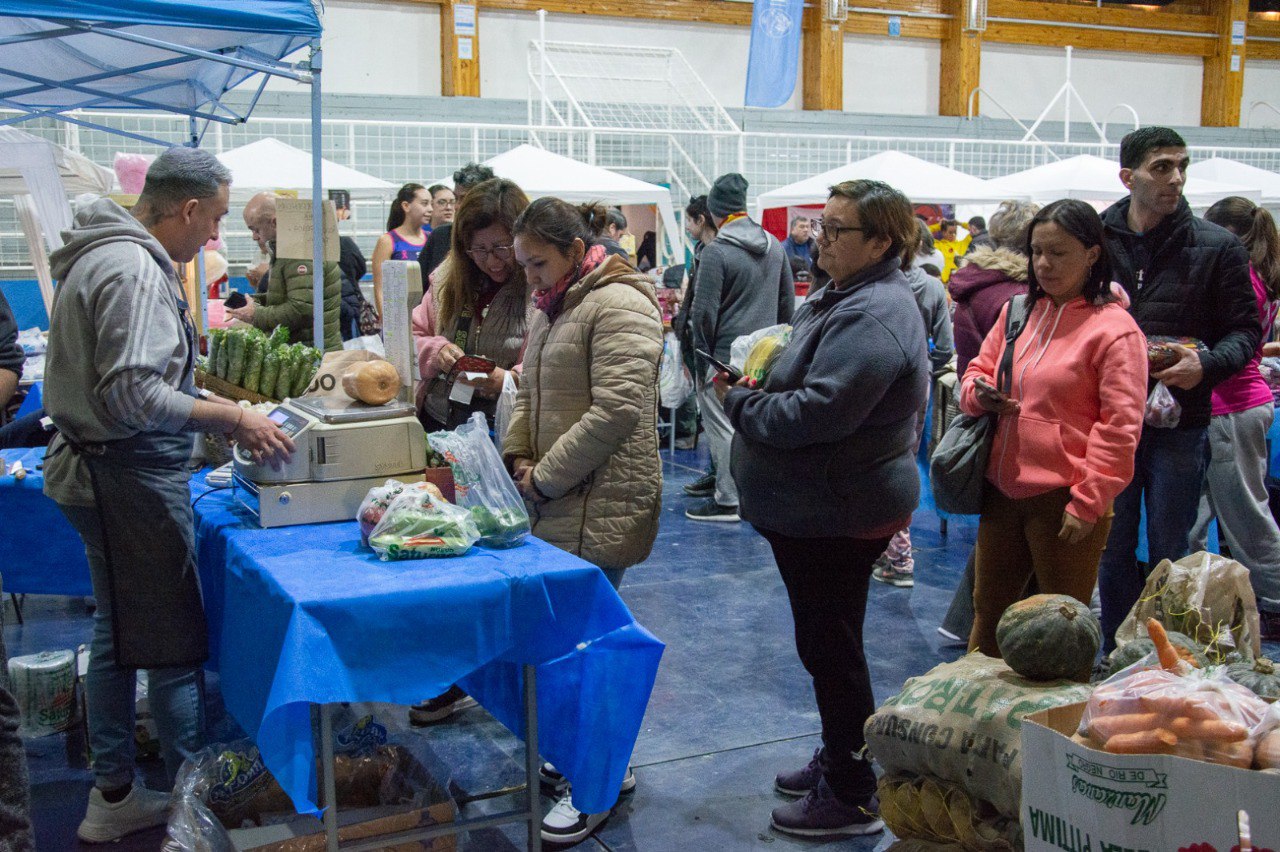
x: 271, y: 164
x: 919, y: 180
x: 540, y: 172
x: 39, y: 176
x: 1097, y: 181
x: 1231, y: 171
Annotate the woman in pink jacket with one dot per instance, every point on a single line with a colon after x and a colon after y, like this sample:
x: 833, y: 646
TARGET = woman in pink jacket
x: 1068, y: 428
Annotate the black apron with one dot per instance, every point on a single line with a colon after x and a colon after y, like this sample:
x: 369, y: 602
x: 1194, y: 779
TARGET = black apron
x: 141, y: 492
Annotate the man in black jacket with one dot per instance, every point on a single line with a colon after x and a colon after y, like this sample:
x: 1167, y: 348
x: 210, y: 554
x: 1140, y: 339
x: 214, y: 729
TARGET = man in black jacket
x: 441, y: 239
x: 1184, y: 277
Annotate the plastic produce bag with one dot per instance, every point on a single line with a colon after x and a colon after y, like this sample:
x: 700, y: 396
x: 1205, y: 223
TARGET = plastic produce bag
x: 1202, y: 715
x: 743, y: 346
x: 270, y: 373
x: 1205, y: 596
x: 505, y: 408
x: 1163, y: 411
x: 419, y: 523
x: 674, y: 381
x: 375, y: 505
x: 482, y: 483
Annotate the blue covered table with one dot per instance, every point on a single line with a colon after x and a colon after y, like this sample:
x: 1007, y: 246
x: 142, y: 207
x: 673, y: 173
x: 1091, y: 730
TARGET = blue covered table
x: 40, y: 552
x: 304, y: 615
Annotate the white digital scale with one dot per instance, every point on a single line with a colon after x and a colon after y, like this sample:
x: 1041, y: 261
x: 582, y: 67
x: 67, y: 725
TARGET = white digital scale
x: 343, y: 448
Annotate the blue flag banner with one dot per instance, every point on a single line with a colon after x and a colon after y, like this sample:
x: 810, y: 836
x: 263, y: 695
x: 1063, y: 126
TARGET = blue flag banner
x: 775, y: 52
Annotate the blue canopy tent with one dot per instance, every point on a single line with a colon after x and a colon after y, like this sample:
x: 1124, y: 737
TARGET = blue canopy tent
x: 179, y: 56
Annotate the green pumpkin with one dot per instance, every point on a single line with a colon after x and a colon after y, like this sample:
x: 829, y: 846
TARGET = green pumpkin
x: 1258, y: 675
x: 1048, y: 637
x: 1129, y: 653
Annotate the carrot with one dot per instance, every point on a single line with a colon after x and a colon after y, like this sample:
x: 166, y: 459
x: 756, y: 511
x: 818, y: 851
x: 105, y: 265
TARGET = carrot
x: 1156, y: 741
x: 1165, y: 704
x: 1217, y: 730
x: 1106, y: 727
x: 1164, y: 648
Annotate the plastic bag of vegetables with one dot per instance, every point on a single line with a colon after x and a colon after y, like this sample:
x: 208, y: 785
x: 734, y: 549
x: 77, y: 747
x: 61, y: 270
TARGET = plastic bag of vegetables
x: 419, y: 524
x: 1164, y: 705
x: 482, y: 484
x: 755, y: 353
x: 1206, y: 597
x: 375, y: 505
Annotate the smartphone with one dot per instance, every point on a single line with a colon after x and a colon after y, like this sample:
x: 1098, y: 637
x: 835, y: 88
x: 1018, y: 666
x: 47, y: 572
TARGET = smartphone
x: 474, y: 364
x: 987, y: 386
x: 236, y: 300
x: 734, y: 373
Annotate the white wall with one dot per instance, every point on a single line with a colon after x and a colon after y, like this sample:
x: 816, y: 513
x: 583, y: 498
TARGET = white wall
x: 890, y: 75
x: 1261, y: 83
x: 717, y: 53
x: 390, y: 48
x: 1163, y: 89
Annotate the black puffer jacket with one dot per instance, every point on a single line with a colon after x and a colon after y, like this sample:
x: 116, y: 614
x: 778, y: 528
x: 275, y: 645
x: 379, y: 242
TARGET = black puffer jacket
x: 1195, y: 282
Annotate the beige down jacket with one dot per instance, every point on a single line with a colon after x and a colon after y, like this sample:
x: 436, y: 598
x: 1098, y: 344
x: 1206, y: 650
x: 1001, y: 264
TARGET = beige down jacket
x: 587, y: 416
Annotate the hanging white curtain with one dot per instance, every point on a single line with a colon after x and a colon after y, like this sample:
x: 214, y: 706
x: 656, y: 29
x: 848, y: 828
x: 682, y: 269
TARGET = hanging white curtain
x: 36, y: 243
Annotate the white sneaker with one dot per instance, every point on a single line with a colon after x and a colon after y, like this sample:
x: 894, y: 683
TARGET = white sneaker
x: 564, y: 825
x: 141, y: 809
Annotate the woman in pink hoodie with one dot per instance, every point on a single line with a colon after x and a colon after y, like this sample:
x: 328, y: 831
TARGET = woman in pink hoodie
x: 1068, y: 428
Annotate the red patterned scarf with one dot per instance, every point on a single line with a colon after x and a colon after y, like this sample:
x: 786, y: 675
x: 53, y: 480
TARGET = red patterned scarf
x: 550, y: 300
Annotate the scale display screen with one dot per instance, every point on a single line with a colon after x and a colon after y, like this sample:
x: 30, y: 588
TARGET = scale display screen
x: 289, y: 423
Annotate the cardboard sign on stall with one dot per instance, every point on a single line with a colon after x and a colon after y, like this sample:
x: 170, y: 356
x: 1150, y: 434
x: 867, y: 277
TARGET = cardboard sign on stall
x: 293, y: 229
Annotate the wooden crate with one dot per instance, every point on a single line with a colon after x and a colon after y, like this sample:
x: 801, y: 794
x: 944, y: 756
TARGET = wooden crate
x: 223, y: 388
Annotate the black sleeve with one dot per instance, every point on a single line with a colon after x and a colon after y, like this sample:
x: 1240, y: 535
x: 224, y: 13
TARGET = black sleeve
x: 1236, y: 324
x: 351, y: 260
x: 436, y: 250
x: 11, y: 355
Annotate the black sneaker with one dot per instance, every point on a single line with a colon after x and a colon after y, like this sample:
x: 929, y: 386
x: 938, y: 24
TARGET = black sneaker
x: 710, y: 510
x: 441, y: 707
x: 703, y: 486
x: 821, y: 814
x: 564, y: 825
x: 799, y: 782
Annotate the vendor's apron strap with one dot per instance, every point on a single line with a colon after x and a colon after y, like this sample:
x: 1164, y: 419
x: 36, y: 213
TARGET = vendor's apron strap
x: 144, y: 507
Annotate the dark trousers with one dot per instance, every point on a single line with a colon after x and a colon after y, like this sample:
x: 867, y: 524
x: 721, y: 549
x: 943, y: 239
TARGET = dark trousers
x: 26, y: 431
x: 827, y: 580
x: 1167, y: 478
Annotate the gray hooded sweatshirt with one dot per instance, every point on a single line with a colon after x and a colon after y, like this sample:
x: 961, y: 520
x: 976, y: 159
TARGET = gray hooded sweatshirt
x: 117, y: 363
x: 931, y: 299
x: 744, y: 285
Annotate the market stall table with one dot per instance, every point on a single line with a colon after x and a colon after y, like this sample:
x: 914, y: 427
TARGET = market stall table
x: 303, y: 616
x: 40, y: 552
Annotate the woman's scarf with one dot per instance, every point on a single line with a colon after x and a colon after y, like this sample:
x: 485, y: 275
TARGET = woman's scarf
x: 550, y: 300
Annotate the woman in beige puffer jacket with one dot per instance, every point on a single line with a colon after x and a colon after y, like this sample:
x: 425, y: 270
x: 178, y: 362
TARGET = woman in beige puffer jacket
x: 583, y: 441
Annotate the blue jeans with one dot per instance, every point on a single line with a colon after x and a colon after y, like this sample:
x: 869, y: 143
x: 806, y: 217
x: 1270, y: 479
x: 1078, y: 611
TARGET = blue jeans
x: 174, y: 694
x: 1167, y: 477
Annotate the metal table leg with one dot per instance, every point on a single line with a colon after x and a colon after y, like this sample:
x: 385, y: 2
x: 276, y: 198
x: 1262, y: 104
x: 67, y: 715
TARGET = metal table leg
x: 328, y: 784
x: 531, y: 755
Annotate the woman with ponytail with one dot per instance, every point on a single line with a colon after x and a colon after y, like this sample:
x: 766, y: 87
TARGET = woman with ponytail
x: 1235, y: 488
x: 407, y: 231
x: 583, y: 440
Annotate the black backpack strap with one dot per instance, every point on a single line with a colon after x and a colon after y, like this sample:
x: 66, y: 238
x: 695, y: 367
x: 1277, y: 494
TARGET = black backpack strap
x: 1014, y: 322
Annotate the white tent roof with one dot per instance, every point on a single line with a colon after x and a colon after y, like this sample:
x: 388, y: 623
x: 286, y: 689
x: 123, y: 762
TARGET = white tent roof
x: 1095, y: 179
x: 271, y: 164
x: 539, y: 172
x: 1232, y: 171
x: 919, y: 180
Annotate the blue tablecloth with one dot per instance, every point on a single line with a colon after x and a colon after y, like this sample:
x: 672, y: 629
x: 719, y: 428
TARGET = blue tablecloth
x: 303, y: 615
x: 40, y: 552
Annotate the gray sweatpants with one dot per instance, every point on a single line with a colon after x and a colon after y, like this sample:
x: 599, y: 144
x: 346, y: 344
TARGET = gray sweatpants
x: 1235, y: 492
x: 719, y: 441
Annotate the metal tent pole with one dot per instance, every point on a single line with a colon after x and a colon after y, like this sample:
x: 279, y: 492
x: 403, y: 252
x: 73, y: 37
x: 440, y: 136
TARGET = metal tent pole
x: 317, y: 204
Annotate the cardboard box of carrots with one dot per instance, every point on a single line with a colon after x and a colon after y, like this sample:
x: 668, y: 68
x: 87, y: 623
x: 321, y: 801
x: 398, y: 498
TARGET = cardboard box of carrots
x: 1164, y: 756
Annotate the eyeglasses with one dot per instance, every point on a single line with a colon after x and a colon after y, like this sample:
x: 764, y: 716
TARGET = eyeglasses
x: 502, y: 253
x: 444, y: 202
x: 830, y: 233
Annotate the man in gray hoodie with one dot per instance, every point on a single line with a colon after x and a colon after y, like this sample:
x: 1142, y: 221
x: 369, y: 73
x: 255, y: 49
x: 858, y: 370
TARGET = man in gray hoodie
x: 744, y: 285
x: 120, y: 388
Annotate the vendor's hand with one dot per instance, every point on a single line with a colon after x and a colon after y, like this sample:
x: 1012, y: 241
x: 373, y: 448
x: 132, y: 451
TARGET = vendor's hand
x: 245, y: 312
x: 1186, y: 373
x: 993, y: 400
x: 448, y: 356
x: 263, y: 440
x: 723, y: 382
x: 489, y: 386
x: 1073, y: 529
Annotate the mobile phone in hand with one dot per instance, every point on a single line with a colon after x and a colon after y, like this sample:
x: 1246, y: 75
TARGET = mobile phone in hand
x: 236, y: 300
x: 474, y: 364
x: 734, y: 373
x: 987, y: 386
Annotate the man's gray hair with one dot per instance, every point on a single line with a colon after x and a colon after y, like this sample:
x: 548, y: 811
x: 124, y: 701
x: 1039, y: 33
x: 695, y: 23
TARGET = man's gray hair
x: 1009, y: 225
x: 178, y: 175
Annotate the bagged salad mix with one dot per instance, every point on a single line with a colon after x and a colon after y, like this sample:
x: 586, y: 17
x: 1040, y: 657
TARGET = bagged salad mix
x: 482, y: 484
x: 416, y: 523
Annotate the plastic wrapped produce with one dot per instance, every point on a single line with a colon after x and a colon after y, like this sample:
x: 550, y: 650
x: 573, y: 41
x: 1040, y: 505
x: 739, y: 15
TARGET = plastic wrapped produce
x: 420, y: 524
x: 482, y: 484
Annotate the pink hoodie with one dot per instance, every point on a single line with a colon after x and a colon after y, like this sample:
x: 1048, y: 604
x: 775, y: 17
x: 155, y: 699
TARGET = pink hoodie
x: 1080, y: 375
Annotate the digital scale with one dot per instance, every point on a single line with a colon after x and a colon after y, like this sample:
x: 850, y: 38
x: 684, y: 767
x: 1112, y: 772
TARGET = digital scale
x: 342, y: 449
